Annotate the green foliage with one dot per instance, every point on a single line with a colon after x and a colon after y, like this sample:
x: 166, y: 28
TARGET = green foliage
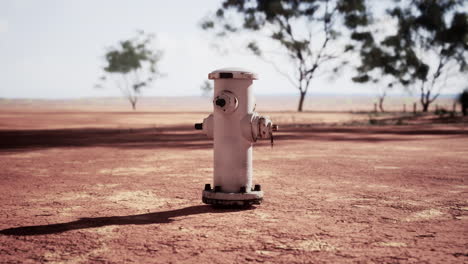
x: 206, y: 88
x: 253, y: 46
x: 362, y: 78
x: 207, y: 24
x: 283, y: 19
x: 441, y: 112
x: 354, y: 12
x: 365, y: 37
x: 430, y: 35
x: 135, y: 62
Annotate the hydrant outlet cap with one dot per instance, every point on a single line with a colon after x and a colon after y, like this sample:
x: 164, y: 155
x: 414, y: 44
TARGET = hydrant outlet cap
x: 233, y: 73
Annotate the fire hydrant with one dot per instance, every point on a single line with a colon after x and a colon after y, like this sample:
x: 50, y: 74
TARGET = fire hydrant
x: 234, y: 126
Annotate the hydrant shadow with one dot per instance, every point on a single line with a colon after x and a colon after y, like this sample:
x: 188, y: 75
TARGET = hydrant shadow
x: 163, y: 217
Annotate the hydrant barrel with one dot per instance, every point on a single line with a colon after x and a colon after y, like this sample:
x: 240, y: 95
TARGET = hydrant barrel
x: 234, y: 127
x: 233, y: 100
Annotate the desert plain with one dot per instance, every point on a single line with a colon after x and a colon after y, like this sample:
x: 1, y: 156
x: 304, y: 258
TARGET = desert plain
x: 90, y: 181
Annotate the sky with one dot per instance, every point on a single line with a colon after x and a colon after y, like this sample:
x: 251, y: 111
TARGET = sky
x: 54, y: 49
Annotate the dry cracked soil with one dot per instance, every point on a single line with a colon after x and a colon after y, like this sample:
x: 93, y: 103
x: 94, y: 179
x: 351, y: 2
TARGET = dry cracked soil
x: 122, y: 187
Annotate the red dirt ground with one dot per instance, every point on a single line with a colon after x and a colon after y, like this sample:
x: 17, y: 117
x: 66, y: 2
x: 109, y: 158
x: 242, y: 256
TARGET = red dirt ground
x: 122, y: 187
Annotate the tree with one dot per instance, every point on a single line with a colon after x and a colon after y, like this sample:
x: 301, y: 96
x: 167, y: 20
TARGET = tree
x: 382, y: 88
x: 303, y: 30
x: 371, y: 66
x: 429, y: 46
x: 206, y: 88
x: 132, y: 65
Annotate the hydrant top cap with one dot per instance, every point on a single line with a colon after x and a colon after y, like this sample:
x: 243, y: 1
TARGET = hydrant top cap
x: 232, y: 73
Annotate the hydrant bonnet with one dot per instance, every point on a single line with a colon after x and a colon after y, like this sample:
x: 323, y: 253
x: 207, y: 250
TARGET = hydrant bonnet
x: 232, y: 73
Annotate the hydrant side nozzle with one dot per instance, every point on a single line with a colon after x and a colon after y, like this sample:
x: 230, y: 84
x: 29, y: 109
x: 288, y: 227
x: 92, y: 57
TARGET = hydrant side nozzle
x: 274, y: 127
x: 199, y: 126
x: 207, y: 126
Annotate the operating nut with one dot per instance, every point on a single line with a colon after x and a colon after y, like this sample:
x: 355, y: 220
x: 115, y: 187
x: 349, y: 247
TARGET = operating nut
x: 220, y: 102
x: 226, y: 102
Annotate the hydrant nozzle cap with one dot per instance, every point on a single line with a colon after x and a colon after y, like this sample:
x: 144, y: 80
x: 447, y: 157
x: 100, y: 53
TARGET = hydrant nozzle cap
x: 233, y: 73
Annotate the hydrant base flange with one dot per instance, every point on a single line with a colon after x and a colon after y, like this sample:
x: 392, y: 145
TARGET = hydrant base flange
x: 232, y: 199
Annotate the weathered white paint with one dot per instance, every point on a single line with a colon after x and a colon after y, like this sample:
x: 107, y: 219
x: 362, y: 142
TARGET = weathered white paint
x: 234, y: 127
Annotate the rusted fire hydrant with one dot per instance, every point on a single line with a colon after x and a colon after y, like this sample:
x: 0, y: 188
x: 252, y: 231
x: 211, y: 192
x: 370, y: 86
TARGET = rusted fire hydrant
x: 234, y: 126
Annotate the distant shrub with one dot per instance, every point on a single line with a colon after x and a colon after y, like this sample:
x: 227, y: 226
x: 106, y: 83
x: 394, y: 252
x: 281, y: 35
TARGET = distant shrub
x: 441, y: 111
x: 373, y: 121
x: 463, y: 100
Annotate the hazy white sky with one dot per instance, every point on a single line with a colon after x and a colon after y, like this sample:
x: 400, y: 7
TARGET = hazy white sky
x: 54, y: 49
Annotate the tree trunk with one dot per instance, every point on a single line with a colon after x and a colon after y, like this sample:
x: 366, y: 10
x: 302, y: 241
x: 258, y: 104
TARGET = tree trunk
x: 381, y: 100
x: 425, y: 102
x: 425, y: 106
x: 133, y: 105
x: 301, y: 101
